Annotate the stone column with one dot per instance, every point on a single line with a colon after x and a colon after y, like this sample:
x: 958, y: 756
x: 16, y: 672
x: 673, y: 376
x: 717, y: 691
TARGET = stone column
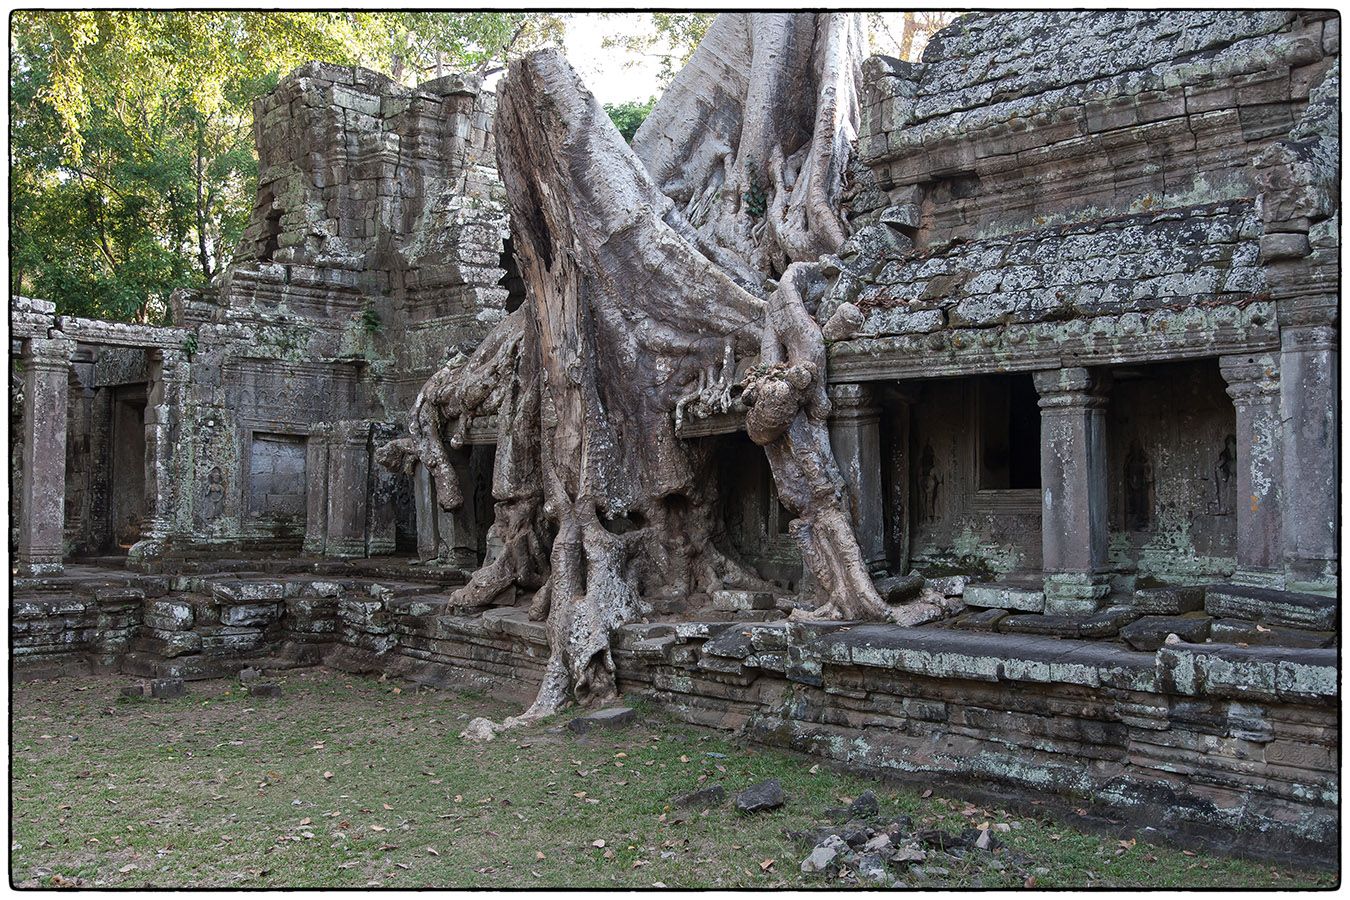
x: 447, y: 537
x: 316, y: 490
x: 899, y: 409
x: 855, y: 436
x: 42, y: 512
x: 163, y: 438
x: 1309, y: 404
x: 1254, y: 385
x: 381, y: 525
x: 424, y: 505
x: 1073, y: 488
x: 348, y: 489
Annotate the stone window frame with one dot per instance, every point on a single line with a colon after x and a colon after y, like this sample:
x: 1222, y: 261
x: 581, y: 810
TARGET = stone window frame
x: 993, y: 500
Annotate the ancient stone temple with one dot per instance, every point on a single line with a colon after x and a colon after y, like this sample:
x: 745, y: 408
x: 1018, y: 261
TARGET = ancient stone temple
x: 1049, y: 320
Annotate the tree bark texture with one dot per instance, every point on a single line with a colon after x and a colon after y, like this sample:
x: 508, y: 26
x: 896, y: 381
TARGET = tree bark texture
x: 753, y: 137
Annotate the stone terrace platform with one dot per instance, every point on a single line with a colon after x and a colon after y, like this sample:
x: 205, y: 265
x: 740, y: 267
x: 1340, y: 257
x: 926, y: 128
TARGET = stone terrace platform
x: 1213, y: 739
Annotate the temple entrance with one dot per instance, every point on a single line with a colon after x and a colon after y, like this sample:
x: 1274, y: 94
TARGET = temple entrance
x: 126, y: 486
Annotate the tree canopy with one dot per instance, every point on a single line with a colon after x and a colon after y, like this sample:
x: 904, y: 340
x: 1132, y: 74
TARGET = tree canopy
x: 132, y: 166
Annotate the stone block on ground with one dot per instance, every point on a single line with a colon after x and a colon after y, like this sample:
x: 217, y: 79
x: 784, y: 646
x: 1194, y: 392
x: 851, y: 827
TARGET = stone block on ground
x: 896, y: 589
x: 738, y: 601
x: 1054, y: 626
x: 266, y: 690
x: 1150, y: 632
x: 948, y: 585
x: 1169, y: 601
x: 824, y: 855
x: 981, y: 620
x: 249, y: 674
x: 135, y: 691
x: 1237, y: 631
x: 997, y: 595
x: 167, y: 688
x: 1106, y: 623
x: 758, y: 797
x: 612, y: 717
x: 1312, y: 611
x: 703, y: 798
x: 866, y: 806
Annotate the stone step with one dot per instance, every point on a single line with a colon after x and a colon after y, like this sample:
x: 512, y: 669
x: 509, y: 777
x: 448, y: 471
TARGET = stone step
x: 1311, y: 611
x: 1002, y: 595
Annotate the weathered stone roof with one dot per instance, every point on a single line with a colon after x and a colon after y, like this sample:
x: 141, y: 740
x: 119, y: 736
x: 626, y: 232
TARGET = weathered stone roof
x: 1171, y: 260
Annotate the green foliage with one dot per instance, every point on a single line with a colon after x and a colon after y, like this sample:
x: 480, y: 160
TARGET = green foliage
x: 370, y: 319
x: 756, y: 196
x: 628, y: 116
x: 132, y: 165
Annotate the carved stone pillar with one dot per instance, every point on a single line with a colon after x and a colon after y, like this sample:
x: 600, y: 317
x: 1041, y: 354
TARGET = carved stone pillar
x: 348, y: 475
x: 1254, y: 385
x: 316, y: 490
x: 1073, y: 488
x: 1309, y: 404
x: 855, y: 437
x: 168, y: 380
x: 46, y: 387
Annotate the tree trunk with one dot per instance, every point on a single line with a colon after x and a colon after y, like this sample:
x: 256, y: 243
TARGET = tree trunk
x: 633, y: 314
x: 752, y: 138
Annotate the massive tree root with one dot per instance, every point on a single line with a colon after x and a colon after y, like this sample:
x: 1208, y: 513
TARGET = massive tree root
x: 635, y: 317
x: 789, y: 409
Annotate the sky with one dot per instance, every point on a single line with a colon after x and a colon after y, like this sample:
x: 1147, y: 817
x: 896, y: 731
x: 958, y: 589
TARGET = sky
x: 613, y: 75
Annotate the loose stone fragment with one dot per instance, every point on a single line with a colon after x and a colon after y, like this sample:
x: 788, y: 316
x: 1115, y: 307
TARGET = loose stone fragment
x: 702, y: 799
x: 895, y: 589
x: 268, y: 690
x: 872, y: 867
x: 738, y: 601
x: 765, y: 795
x: 167, y: 688
x: 1169, y: 601
x: 613, y: 717
x: 824, y: 855
x: 1150, y: 632
x: 866, y: 806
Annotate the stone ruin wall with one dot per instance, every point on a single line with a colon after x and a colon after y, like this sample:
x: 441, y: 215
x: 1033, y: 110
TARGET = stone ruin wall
x: 373, y: 253
x: 1087, y: 189
x: 1043, y: 190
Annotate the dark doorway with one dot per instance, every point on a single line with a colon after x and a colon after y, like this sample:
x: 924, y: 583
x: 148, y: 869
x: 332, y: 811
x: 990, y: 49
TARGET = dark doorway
x: 1010, y: 433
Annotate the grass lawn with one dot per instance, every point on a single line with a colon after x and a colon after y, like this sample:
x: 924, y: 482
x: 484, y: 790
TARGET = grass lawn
x: 352, y: 782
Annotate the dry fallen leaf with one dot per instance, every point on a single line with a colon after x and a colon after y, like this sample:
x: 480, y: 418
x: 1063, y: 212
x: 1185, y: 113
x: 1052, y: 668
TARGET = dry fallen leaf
x: 432, y: 851
x: 1030, y: 882
x: 766, y: 864
x: 539, y: 854
x: 327, y: 774
x: 386, y: 806
x: 598, y: 843
x: 926, y: 794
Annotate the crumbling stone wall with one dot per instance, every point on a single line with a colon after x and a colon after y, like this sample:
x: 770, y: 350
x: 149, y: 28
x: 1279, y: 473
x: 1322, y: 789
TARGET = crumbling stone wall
x: 373, y: 253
